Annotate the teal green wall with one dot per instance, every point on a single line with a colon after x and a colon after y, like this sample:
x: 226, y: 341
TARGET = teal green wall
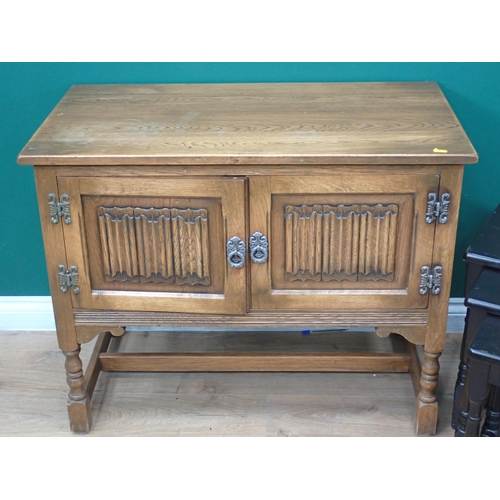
x: 29, y: 91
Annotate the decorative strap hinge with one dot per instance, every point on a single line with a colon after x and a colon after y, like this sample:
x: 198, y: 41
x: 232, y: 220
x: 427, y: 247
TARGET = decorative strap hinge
x: 437, y: 210
x: 59, y: 209
x: 430, y: 280
x: 68, y: 278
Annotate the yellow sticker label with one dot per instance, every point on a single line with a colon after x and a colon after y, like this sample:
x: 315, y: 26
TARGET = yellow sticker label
x: 436, y: 150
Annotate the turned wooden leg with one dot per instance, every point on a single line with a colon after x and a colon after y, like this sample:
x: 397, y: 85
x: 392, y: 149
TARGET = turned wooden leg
x: 491, y: 427
x: 427, y: 406
x: 459, y: 394
x: 461, y: 376
x: 473, y: 320
x: 78, y: 401
x: 478, y: 391
x: 461, y: 399
x: 463, y: 405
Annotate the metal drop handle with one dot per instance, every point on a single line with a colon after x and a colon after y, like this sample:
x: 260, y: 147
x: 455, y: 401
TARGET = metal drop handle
x: 235, y: 251
x: 258, y: 246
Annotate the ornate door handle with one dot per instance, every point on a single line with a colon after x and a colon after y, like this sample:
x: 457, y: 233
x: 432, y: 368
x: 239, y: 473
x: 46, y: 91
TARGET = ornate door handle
x: 258, y: 247
x: 235, y: 250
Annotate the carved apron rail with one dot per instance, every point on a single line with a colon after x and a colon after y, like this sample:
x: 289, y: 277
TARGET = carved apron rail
x: 256, y: 319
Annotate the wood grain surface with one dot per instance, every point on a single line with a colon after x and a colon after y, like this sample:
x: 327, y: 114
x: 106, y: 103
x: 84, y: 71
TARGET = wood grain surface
x: 53, y: 240
x: 269, y: 197
x: 33, y: 391
x: 255, y: 319
x: 225, y: 201
x: 406, y: 141
x: 249, y: 362
x: 349, y: 123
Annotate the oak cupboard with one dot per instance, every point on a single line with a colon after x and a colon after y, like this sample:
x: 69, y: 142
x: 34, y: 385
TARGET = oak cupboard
x: 250, y: 205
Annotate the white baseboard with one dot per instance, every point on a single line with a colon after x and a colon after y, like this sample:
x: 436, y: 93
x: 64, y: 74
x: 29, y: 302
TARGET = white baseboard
x: 35, y: 313
x: 26, y: 313
x: 456, y: 315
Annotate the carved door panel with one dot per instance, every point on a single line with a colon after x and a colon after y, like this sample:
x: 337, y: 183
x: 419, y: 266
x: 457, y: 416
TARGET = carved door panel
x: 156, y: 244
x: 341, y: 241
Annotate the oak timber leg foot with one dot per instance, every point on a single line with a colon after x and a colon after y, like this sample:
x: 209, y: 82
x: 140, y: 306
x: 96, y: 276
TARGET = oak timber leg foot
x: 426, y: 418
x: 426, y: 414
x: 80, y: 417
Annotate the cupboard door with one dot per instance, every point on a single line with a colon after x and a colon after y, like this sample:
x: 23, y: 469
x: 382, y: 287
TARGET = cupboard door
x: 341, y: 241
x: 156, y: 244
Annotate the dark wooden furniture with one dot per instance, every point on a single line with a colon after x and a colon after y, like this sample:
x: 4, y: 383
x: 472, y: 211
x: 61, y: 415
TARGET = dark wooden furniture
x: 250, y: 205
x: 484, y: 379
x: 482, y: 298
x: 484, y: 252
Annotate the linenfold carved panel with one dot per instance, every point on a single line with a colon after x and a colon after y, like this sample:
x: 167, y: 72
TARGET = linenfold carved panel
x: 340, y: 242
x: 155, y: 245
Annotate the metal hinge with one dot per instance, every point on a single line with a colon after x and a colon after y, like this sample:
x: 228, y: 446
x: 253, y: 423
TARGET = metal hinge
x: 68, y: 278
x: 430, y: 280
x: 59, y: 209
x: 437, y: 210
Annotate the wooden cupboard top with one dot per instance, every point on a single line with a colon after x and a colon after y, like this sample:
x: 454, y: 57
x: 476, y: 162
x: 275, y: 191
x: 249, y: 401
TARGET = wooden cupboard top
x: 270, y: 124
